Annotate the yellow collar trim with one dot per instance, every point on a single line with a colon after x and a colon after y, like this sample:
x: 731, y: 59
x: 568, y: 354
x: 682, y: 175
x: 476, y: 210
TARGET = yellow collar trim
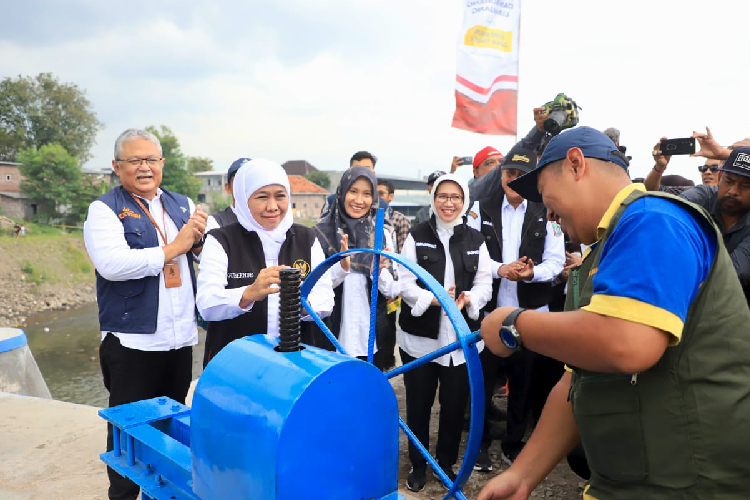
x: 614, y: 206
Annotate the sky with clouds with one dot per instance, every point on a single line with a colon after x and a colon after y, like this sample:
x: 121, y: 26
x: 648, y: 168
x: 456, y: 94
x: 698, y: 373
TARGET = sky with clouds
x: 318, y: 80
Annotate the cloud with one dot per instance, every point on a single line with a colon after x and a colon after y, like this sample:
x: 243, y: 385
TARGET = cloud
x: 296, y: 79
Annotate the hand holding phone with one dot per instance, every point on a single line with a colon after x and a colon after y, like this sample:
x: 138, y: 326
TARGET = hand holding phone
x: 683, y: 146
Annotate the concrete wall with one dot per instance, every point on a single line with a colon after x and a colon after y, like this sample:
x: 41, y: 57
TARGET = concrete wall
x: 13, y: 207
x: 308, y: 205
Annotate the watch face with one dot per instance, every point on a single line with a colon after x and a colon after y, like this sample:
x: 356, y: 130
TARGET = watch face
x: 508, y: 338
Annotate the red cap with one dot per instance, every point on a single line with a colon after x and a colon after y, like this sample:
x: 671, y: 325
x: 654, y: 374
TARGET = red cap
x: 484, y: 154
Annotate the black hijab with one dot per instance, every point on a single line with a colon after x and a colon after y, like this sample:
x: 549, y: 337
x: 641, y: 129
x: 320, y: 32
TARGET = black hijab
x: 338, y: 223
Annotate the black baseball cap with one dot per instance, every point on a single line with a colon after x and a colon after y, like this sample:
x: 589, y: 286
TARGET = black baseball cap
x: 520, y: 159
x: 593, y: 144
x: 434, y: 176
x: 738, y: 162
x: 235, y: 166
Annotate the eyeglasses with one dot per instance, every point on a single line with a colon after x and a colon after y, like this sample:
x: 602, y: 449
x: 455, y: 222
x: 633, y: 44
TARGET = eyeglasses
x: 703, y: 168
x: 454, y: 198
x: 136, y: 162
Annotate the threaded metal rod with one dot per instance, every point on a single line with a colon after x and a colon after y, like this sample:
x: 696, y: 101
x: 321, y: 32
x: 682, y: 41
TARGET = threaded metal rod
x: 289, y: 310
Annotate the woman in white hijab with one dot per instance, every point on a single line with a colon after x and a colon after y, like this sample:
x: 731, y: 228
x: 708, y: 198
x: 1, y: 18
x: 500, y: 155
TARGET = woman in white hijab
x: 456, y: 256
x: 240, y: 263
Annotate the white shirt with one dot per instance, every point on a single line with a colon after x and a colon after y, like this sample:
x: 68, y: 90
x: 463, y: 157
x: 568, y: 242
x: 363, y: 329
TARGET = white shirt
x: 216, y: 302
x: 420, y: 299
x: 354, y: 332
x: 104, y: 236
x: 212, y: 223
x: 553, y: 257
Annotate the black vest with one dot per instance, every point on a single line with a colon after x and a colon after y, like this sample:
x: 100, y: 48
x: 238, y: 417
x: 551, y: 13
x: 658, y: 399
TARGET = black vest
x: 463, y: 247
x: 225, y: 217
x: 533, y: 234
x: 245, y: 260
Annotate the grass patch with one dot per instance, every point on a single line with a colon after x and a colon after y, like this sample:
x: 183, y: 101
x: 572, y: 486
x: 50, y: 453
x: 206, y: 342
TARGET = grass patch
x: 33, y: 275
x: 55, y: 257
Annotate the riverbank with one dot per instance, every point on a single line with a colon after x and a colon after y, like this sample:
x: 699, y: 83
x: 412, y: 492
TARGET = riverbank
x: 45, y: 270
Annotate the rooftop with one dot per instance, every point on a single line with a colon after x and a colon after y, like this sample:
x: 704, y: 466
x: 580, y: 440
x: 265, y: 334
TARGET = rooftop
x: 301, y: 185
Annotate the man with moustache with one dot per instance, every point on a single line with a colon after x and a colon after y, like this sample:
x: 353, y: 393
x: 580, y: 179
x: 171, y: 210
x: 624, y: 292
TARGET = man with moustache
x: 728, y: 201
x: 143, y: 241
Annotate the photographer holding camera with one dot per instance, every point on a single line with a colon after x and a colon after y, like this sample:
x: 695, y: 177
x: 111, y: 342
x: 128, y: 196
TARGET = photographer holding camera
x: 728, y: 201
x: 554, y: 116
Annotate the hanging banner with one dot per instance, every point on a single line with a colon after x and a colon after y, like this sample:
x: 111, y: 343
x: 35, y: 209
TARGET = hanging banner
x: 487, y: 67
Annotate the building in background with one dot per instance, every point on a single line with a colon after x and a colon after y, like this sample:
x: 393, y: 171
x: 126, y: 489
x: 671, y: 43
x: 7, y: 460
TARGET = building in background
x: 298, y: 167
x: 13, y: 203
x: 212, y: 191
x: 307, y: 197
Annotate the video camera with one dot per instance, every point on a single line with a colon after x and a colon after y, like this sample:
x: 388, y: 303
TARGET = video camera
x: 563, y: 113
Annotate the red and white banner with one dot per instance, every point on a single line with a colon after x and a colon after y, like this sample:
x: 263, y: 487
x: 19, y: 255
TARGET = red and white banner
x: 487, y: 67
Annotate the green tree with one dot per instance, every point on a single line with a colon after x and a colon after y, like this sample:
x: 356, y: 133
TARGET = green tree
x: 176, y: 176
x: 41, y: 110
x: 319, y: 178
x: 197, y: 164
x: 53, y: 179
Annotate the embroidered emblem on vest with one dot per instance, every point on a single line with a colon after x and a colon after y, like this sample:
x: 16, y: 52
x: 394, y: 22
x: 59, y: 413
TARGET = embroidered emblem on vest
x: 304, y: 267
x: 423, y: 244
x: 126, y: 212
x: 593, y: 271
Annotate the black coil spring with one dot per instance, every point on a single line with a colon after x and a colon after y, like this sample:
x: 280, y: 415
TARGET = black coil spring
x: 289, y: 310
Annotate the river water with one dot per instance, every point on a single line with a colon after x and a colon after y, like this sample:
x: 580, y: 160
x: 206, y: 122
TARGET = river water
x: 65, y: 345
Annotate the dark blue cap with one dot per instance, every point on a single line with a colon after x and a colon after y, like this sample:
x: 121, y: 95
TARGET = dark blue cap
x: 235, y: 166
x: 738, y: 162
x: 591, y: 142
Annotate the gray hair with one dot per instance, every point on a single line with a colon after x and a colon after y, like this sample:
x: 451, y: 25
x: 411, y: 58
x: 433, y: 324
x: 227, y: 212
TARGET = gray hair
x: 134, y: 133
x: 613, y: 134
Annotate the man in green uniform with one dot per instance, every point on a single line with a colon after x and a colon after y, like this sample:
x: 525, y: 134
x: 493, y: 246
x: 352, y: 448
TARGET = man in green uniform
x: 655, y: 332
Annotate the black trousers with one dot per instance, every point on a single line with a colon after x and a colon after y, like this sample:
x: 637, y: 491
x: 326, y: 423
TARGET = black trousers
x: 421, y: 384
x: 131, y: 375
x: 519, y: 369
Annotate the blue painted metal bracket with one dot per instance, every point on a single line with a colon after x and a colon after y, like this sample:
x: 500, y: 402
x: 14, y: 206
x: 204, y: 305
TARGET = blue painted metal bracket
x: 466, y: 341
x: 155, y: 436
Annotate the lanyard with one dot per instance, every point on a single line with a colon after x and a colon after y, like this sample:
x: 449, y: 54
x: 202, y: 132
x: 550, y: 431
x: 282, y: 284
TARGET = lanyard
x: 163, y: 220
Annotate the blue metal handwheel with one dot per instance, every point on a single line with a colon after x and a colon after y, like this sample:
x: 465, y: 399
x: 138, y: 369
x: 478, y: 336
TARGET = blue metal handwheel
x: 467, y: 341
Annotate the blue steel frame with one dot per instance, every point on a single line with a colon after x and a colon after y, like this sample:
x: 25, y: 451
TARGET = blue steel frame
x: 466, y: 341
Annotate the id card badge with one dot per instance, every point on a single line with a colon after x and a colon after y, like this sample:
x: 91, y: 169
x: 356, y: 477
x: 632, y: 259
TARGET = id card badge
x: 172, y: 274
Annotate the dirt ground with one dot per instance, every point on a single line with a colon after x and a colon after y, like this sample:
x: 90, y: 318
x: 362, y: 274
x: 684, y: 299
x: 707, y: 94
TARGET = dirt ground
x: 560, y: 484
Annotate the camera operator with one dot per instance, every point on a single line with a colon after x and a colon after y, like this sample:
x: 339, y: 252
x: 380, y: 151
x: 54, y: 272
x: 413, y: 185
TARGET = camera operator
x: 728, y: 202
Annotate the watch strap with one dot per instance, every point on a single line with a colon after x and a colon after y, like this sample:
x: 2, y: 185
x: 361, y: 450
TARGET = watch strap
x: 510, y: 320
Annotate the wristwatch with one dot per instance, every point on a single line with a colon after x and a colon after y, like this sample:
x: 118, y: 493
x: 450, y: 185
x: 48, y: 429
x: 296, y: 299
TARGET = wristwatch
x: 508, y: 332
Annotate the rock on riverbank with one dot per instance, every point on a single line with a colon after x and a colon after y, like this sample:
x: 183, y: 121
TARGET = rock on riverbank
x: 20, y: 294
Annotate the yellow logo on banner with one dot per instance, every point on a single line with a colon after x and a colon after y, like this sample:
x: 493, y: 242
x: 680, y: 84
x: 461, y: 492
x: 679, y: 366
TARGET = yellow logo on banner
x: 483, y: 37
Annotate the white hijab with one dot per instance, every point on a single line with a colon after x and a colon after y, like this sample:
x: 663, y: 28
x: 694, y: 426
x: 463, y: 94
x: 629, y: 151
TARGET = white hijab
x: 448, y: 226
x: 252, y: 176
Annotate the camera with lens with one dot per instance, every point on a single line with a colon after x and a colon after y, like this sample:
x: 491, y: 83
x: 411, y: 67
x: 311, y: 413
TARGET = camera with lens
x: 563, y: 114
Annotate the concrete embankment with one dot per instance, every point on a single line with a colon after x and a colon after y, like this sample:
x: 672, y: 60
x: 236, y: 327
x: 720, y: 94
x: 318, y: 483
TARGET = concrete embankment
x: 50, y: 450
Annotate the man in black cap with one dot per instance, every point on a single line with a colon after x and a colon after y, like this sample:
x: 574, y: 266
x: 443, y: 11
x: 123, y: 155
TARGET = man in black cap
x: 654, y: 332
x: 227, y: 216
x: 728, y: 201
x: 527, y: 252
x: 424, y: 213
